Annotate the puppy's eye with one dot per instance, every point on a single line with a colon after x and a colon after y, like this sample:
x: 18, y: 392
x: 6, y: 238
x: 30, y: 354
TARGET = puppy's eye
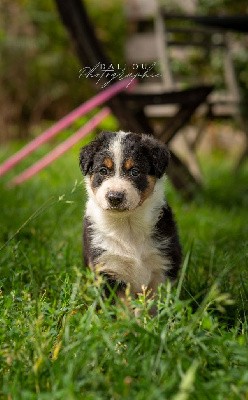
x: 134, y: 172
x: 103, y: 171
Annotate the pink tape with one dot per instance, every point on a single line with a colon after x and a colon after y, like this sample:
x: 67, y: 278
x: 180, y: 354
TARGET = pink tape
x: 89, y: 105
x: 62, y: 148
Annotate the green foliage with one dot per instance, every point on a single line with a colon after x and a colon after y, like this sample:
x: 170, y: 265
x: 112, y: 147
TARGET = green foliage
x: 229, y: 7
x: 39, y: 68
x: 109, y: 23
x: 60, y: 340
x: 222, y: 6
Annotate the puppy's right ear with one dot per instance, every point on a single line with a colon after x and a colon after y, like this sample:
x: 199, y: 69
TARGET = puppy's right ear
x: 87, y: 153
x: 86, y: 157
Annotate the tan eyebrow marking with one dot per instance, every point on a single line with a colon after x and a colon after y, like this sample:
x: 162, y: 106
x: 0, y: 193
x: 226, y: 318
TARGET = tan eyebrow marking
x: 91, y: 183
x: 108, y: 162
x: 128, y: 164
x: 148, y: 191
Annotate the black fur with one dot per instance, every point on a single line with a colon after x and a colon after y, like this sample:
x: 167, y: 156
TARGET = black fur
x: 151, y: 154
x: 88, y: 152
x: 166, y: 228
x: 98, y: 179
x: 151, y: 158
x: 112, y: 285
x: 90, y: 253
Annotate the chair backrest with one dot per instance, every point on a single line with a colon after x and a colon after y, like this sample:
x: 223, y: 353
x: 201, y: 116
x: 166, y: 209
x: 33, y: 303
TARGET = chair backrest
x: 207, y: 54
x: 186, y: 53
x: 146, y: 42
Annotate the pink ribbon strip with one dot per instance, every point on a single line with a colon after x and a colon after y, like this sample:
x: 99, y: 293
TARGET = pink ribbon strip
x: 62, y: 148
x: 89, y: 105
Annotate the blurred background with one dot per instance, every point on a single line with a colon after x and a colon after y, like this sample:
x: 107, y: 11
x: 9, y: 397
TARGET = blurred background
x: 39, y: 69
x: 57, y: 343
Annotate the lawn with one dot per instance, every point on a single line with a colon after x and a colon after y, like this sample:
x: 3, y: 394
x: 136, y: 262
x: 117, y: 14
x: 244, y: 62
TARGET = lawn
x: 59, y: 340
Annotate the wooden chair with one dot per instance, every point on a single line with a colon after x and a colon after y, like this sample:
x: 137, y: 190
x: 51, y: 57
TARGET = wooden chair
x: 177, y: 40
x: 129, y: 108
x: 211, y: 44
x: 148, y: 45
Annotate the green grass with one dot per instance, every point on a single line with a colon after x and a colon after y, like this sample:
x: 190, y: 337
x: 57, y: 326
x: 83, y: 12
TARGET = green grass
x: 59, y: 340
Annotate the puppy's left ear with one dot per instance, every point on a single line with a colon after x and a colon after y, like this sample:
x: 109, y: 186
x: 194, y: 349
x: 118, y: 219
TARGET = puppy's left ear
x: 159, y: 156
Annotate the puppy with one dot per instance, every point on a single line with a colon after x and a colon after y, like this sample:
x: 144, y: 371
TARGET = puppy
x: 130, y: 235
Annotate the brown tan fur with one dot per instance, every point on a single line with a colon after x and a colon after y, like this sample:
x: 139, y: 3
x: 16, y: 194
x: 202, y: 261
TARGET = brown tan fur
x: 108, y: 162
x: 149, y: 189
x: 128, y: 164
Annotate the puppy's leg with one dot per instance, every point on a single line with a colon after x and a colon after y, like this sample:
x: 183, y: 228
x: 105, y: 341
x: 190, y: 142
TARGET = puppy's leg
x: 111, y: 286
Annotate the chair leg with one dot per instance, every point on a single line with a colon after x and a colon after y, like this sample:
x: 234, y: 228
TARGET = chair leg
x: 181, y: 177
x: 181, y: 146
x: 244, y: 154
x: 200, y: 130
x: 243, y: 157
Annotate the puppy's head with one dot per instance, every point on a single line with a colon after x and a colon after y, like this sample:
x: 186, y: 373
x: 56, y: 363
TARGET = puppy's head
x: 121, y: 169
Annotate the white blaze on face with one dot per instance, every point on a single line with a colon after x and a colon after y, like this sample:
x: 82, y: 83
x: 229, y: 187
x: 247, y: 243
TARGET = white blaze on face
x: 116, y: 148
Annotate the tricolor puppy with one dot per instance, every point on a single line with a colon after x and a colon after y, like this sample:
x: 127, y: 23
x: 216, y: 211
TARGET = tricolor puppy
x: 129, y: 232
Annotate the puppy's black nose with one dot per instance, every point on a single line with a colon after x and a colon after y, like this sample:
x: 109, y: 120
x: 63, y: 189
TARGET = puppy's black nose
x: 115, y: 198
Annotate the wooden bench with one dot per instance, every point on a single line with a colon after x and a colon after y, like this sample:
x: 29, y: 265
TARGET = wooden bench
x: 174, y: 40
x: 129, y: 108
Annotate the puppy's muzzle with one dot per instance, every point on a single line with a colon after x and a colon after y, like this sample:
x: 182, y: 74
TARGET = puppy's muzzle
x: 115, y: 199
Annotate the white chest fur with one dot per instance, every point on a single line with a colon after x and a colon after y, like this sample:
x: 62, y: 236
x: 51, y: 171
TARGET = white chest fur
x: 130, y: 253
